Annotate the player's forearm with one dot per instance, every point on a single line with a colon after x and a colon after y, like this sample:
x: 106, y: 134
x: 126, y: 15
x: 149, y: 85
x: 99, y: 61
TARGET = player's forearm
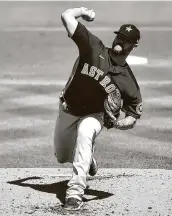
x: 73, y: 13
x: 126, y: 123
x: 69, y: 18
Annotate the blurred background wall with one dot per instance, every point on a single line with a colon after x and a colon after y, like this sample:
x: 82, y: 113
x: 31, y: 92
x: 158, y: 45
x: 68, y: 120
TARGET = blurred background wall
x: 47, y: 14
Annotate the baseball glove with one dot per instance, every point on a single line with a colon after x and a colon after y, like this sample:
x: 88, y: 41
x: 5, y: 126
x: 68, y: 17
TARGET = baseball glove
x: 112, y: 106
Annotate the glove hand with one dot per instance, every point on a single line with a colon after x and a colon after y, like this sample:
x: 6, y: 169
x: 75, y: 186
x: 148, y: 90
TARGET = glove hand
x: 109, y: 122
x: 112, y: 104
x: 109, y: 111
x: 87, y: 14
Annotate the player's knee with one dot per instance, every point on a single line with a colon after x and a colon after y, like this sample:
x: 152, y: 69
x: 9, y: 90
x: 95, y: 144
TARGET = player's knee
x: 89, y: 127
x: 86, y: 132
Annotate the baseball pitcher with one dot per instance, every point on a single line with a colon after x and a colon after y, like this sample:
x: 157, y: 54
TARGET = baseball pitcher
x: 100, y: 85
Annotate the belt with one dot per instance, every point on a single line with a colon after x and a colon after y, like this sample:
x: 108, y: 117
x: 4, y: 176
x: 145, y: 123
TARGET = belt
x: 65, y: 106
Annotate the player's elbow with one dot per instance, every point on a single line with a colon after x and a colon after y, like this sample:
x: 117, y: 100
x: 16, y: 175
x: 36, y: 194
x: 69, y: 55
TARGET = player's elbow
x: 66, y: 14
x: 63, y: 17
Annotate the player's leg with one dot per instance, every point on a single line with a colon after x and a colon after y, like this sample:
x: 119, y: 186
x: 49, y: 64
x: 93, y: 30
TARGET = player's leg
x: 65, y: 136
x: 88, y: 129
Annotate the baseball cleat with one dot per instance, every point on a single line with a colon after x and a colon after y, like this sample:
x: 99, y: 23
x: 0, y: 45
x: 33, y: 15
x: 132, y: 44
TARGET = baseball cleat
x: 73, y: 204
x: 93, y: 168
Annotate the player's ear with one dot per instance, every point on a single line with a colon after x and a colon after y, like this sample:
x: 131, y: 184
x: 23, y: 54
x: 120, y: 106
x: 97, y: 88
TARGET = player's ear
x: 135, y: 45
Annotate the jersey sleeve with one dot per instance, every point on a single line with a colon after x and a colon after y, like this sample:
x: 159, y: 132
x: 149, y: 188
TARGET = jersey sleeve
x: 85, y: 40
x: 133, y: 105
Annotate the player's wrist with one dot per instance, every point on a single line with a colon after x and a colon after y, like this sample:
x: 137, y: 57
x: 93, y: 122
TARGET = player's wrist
x: 84, y: 11
x: 87, y: 14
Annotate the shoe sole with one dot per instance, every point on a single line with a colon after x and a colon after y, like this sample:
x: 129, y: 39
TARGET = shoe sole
x: 76, y: 209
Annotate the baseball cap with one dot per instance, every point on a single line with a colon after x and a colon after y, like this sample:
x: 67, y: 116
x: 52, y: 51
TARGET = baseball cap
x: 130, y: 31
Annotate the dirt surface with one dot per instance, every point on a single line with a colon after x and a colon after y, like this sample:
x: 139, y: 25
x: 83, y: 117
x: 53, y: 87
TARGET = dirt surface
x: 118, y: 192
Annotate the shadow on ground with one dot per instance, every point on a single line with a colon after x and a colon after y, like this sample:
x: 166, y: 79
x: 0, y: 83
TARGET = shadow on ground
x: 59, y: 189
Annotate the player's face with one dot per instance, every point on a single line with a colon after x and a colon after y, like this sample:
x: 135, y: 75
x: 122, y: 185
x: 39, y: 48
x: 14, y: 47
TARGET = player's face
x: 122, y: 44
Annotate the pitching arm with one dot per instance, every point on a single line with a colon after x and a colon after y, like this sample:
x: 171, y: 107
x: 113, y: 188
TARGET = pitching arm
x: 126, y: 123
x: 69, y: 18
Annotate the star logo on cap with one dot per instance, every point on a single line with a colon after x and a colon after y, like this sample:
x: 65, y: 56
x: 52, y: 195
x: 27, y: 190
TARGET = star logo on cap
x: 128, y: 29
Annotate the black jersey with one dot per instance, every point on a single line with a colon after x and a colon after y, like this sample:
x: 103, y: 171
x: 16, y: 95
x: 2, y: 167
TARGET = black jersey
x: 93, y: 77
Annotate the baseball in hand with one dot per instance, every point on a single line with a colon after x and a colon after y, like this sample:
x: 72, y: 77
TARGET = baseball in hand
x: 92, y: 15
x: 88, y: 15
